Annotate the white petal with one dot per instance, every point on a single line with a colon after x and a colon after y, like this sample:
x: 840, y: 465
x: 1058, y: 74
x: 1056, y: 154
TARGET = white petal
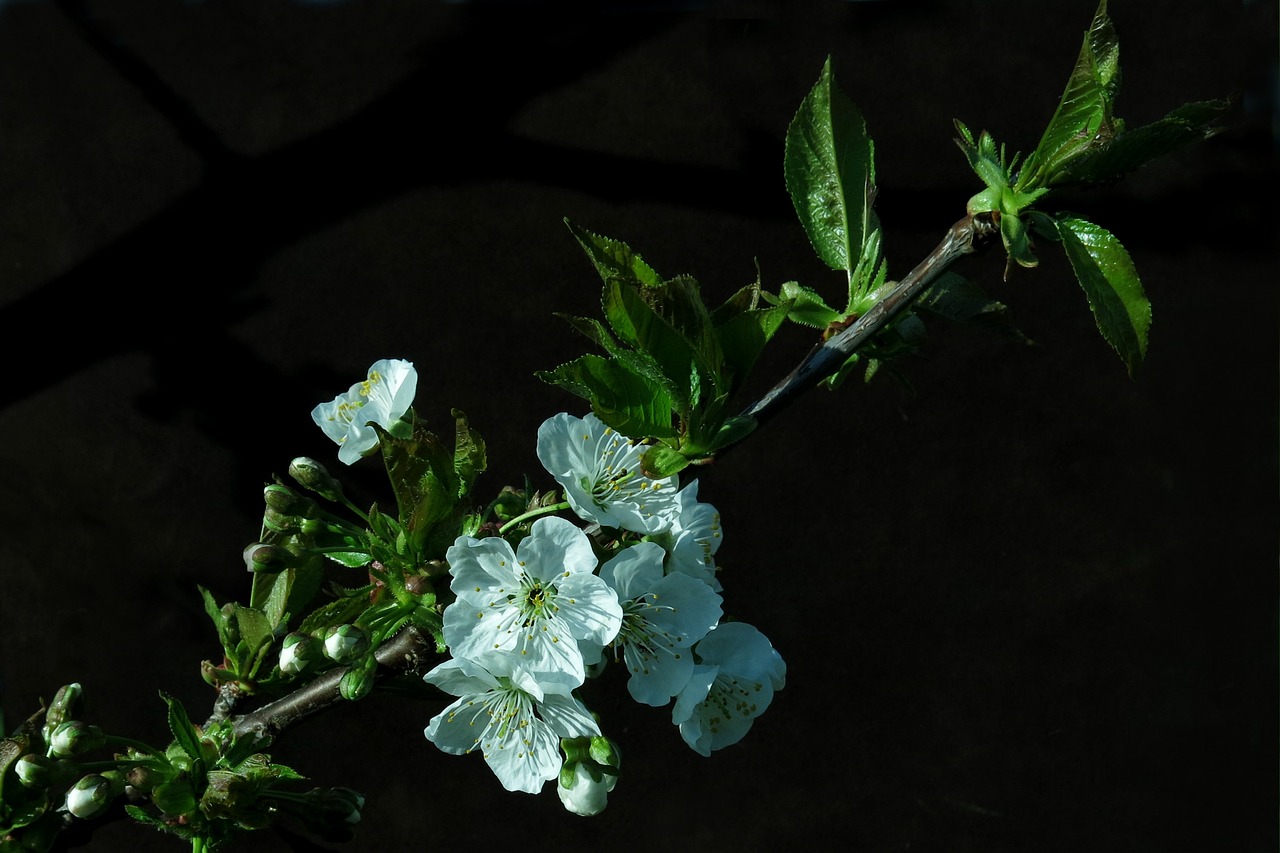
x: 555, y: 547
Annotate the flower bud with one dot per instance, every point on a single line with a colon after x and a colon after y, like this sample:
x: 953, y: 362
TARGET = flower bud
x: 357, y: 682
x: 35, y: 771
x: 310, y: 474
x: 67, y: 704
x: 284, y: 500
x: 589, y: 773
x: 90, y: 797
x: 297, y: 652
x: 344, y: 642
x: 74, y: 737
x: 584, y: 789
x: 267, y: 558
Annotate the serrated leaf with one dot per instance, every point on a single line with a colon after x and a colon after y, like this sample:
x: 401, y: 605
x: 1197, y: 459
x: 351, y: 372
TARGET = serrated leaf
x: 183, y: 730
x: 1106, y: 272
x: 469, y: 454
x: 253, y: 625
x: 960, y: 300
x: 629, y: 403
x: 614, y: 260
x: 1130, y: 149
x: 829, y: 167
x: 638, y: 362
x: 744, y: 337
x: 807, y: 307
x: 1084, y: 117
x: 745, y: 299
x: 341, y: 611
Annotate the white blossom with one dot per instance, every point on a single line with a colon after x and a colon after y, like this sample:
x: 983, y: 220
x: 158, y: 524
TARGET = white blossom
x: 381, y: 398
x: 599, y: 470
x: 662, y: 617
x: 521, y: 613
x: 517, y: 733
x: 732, y: 684
x: 694, y: 537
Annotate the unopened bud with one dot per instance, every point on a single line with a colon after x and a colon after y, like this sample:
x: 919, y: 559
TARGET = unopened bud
x: 67, y: 704
x: 345, y: 642
x: 297, y: 652
x: 589, y: 773
x: 90, y: 797
x: 357, y: 682
x: 75, y: 737
x: 35, y: 771
x: 310, y: 474
x: 267, y: 558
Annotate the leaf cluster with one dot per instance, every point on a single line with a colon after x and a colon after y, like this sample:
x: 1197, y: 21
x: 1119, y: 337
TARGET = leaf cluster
x: 672, y: 364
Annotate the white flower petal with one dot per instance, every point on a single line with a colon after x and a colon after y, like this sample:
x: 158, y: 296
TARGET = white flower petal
x: 383, y: 398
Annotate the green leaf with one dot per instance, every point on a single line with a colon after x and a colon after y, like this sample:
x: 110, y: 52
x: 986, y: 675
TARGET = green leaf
x: 184, y: 731
x: 1108, y: 161
x: 744, y: 337
x: 254, y: 626
x: 829, y: 167
x: 614, y: 260
x: 960, y: 300
x: 638, y: 362
x: 807, y: 307
x: 1105, y: 271
x: 341, y: 611
x: 629, y: 403
x: 1084, y: 115
x: 744, y: 299
x: 469, y: 455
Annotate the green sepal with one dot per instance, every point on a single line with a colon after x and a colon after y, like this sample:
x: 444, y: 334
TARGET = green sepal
x: 1111, y: 284
x: 660, y: 461
x: 829, y: 168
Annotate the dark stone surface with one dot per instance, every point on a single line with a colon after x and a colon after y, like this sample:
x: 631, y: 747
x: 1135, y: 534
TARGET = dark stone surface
x: 1031, y: 606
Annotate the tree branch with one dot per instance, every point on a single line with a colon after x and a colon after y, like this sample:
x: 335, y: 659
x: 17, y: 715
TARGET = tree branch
x: 965, y: 237
x: 406, y: 652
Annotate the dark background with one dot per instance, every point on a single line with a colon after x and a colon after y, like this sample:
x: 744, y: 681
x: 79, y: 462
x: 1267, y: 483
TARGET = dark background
x: 1029, y: 607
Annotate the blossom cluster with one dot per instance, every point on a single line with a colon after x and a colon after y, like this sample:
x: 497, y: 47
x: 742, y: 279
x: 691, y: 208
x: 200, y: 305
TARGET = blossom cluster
x: 534, y: 616
x: 530, y: 622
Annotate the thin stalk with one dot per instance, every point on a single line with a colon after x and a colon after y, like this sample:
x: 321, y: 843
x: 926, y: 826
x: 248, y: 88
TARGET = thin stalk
x: 826, y: 358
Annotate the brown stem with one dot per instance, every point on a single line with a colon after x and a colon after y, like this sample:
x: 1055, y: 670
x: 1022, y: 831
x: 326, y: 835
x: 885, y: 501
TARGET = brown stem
x: 406, y: 652
x: 826, y: 358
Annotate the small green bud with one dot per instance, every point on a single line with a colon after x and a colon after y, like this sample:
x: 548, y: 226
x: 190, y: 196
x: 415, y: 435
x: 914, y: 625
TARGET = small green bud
x: 310, y: 474
x: 90, y: 797
x: 67, y: 704
x: 344, y: 643
x: 75, y: 737
x: 35, y: 771
x: 357, y: 682
x: 267, y: 558
x: 284, y: 500
x: 297, y: 652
